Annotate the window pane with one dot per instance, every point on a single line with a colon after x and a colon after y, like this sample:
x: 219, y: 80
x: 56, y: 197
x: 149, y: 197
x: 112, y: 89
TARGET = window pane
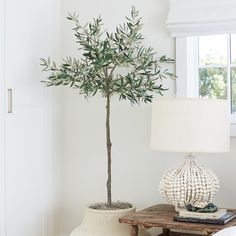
x: 213, y: 50
x: 213, y: 82
x: 233, y: 90
x: 233, y: 48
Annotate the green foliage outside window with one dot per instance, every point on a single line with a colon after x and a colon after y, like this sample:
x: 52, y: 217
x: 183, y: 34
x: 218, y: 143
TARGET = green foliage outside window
x: 233, y: 89
x: 213, y: 83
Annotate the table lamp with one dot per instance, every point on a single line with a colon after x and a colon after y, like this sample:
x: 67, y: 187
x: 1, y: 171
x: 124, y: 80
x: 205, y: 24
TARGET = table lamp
x: 190, y: 125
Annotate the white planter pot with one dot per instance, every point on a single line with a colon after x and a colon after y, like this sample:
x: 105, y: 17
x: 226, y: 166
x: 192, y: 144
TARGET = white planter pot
x: 103, y: 223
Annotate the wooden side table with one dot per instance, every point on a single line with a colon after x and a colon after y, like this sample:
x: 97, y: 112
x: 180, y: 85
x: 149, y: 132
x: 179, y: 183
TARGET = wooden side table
x: 161, y: 215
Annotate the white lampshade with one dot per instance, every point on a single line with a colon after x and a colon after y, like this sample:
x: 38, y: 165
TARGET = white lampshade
x: 190, y: 125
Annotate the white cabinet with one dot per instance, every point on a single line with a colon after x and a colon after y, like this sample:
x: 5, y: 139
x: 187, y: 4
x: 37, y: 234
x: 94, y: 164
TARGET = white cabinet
x: 24, y: 172
x: 26, y: 34
x: 28, y: 37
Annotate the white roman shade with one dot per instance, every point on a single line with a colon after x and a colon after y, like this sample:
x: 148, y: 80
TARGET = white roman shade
x: 199, y: 17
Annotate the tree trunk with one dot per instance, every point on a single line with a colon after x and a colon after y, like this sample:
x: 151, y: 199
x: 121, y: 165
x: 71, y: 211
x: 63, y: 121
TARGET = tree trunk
x: 108, y: 139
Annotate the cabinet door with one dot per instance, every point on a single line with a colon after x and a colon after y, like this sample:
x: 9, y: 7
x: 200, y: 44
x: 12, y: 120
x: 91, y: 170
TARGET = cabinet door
x: 2, y: 118
x: 25, y: 172
x: 29, y: 29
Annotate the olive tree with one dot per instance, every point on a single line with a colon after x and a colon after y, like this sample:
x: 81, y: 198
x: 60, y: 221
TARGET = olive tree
x: 100, y: 68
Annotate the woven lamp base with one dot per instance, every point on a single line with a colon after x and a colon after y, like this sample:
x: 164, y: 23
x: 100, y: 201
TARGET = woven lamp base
x: 190, y: 184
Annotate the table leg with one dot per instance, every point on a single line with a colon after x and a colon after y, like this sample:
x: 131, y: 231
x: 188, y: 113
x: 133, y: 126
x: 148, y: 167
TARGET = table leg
x: 166, y: 232
x: 134, y: 230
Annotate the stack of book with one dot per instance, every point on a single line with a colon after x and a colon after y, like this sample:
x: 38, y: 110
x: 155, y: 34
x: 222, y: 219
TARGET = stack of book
x: 220, y: 217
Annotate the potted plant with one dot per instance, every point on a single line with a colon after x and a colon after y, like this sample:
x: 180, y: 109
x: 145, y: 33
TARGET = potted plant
x: 101, y: 69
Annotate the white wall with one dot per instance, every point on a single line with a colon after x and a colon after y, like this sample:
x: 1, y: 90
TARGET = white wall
x: 136, y: 169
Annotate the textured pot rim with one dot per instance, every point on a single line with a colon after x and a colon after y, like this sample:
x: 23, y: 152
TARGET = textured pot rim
x: 100, y: 211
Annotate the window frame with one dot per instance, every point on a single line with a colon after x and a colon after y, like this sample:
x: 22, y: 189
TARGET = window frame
x: 187, y: 72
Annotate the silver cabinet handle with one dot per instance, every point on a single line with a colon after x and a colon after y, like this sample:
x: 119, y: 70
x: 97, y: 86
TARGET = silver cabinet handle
x: 9, y: 109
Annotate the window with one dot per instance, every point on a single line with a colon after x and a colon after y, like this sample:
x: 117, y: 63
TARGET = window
x: 206, y: 67
x: 217, y: 67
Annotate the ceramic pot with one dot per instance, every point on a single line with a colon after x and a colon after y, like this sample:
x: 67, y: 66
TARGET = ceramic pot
x: 103, y: 223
